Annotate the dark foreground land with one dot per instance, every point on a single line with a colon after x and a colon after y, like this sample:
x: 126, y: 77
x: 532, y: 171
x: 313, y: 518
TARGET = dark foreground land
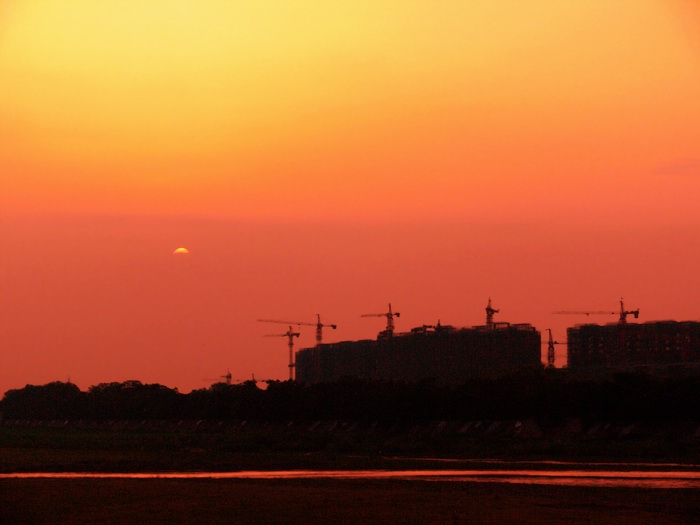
x: 334, y: 501
x: 132, y: 427
x: 161, y: 447
x: 122, y: 446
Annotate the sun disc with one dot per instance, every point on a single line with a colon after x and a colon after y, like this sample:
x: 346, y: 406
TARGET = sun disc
x: 180, y: 251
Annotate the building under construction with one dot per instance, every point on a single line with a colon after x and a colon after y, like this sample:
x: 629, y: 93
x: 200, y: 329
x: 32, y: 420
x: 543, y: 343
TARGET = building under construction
x: 627, y: 345
x: 444, y: 353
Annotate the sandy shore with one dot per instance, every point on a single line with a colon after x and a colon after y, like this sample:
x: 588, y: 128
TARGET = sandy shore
x: 335, y: 501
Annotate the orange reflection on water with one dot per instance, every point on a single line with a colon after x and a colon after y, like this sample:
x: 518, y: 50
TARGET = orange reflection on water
x: 581, y: 478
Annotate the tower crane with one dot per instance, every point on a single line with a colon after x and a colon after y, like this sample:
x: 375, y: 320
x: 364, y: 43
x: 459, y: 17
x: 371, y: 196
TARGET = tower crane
x: 227, y: 377
x: 550, y: 349
x: 291, y: 335
x: 389, y: 320
x: 489, y: 315
x: 622, y: 313
x: 252, y: 380
x: 318, y: 324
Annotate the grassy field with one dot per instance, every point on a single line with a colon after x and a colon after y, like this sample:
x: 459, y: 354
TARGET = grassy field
x: 334, y: 501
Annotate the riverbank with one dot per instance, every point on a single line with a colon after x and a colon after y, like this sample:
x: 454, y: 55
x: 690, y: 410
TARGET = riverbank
x: 152, y: 447
x: 335, y: 501
x: 132, y: 447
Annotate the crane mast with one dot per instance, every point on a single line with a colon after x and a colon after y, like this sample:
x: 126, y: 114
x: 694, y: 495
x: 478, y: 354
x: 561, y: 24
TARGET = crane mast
x: 550, y: 349
x: 291, y: 335
x: 489, y: 315
x: 319, y: 329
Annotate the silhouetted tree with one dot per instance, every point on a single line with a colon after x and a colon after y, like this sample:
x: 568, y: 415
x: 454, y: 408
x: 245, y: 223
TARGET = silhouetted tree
x: 133, y: 400
x: 55, y: 400
x: 549, y: 395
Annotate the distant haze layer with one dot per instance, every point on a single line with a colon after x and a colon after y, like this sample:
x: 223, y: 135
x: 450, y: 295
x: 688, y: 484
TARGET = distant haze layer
x: 98, y: 299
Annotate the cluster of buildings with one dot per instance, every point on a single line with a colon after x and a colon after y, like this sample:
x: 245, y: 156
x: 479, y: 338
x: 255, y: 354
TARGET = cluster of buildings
x: 445, y: 353
x: 451, y: 355
x: 633, y: 345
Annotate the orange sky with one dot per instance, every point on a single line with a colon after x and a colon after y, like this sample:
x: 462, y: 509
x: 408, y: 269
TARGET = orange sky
x: 331, y: 157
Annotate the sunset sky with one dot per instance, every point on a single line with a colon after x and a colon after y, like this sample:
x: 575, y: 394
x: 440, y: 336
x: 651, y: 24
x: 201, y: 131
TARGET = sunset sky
x: 331, y: 157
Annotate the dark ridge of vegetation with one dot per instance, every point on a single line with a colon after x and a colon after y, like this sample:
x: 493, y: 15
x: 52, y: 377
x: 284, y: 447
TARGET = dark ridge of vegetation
x: 545, y: 395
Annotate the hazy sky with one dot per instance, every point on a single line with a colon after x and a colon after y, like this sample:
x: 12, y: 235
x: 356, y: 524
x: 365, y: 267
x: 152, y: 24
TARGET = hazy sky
x: 330, y: 157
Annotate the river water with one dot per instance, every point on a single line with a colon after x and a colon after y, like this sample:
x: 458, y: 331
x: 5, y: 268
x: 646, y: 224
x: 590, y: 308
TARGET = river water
x: 600, y: 478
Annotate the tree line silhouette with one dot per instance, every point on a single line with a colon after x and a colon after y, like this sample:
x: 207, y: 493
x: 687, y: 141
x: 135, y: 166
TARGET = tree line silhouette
x: 544, y: 395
